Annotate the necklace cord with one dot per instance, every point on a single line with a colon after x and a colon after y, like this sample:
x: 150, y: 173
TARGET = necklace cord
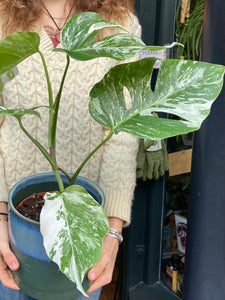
x: 53, y: 19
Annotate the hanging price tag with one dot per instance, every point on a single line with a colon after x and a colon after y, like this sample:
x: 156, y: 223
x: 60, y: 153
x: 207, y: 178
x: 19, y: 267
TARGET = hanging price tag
x: 161, y: 54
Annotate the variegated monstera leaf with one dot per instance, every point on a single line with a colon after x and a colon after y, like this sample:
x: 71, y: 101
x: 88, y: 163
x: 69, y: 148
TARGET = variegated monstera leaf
x: 183, y: 88
x: 73, y: 226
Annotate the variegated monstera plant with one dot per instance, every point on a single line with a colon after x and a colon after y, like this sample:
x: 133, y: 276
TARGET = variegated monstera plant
x: 183, y: 88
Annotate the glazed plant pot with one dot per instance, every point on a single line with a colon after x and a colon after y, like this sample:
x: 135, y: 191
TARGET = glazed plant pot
x: 38, y: 276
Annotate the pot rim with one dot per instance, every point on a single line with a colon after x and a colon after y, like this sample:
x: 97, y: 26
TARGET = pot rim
x: 39, y: 177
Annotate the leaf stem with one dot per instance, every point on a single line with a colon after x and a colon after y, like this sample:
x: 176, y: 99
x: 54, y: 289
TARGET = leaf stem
x: 50, y: 95
x: 53, y: 117
x: 46, y: 154
x: 51, y: 105
x: 74, y: 177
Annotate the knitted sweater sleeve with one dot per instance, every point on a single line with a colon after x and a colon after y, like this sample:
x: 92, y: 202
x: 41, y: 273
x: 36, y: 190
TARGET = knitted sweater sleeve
x: 118, y: 170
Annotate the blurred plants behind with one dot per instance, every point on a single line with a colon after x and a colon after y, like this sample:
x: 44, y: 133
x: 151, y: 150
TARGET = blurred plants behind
x: 189, y: 25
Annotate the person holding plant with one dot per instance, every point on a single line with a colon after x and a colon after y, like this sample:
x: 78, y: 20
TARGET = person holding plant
x: 113, y: 167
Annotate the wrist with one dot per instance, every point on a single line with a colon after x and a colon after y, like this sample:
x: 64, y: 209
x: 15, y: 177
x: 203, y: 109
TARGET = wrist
x: 3, y: 207
x: 3, y: 217
x: 115, y: 228
x: 116, y: 223
x: 116, y: 234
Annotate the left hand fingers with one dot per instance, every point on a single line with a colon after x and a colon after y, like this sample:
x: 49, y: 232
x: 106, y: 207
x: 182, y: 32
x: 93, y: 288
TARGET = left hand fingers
x: 102, y: 272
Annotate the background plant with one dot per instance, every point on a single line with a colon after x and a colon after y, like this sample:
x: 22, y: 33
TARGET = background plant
x: 190, y: 31
x: 189, y: 26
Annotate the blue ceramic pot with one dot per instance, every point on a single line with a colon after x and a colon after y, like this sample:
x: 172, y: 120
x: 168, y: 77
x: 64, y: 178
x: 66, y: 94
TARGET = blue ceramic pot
x: 38, y: 276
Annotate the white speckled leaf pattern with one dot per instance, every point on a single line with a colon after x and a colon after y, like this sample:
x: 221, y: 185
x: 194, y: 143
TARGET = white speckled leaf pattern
x: 73, y: 225
x: 82, y: 30
x: 120, y: 47
x: 183, y: 88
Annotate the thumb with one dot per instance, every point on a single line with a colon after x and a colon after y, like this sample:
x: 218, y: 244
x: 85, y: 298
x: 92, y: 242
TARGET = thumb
x: 95, y: 271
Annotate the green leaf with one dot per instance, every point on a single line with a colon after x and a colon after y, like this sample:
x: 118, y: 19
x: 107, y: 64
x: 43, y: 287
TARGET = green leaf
x: 16, y: 47
x: 79, y: 34
x: 19, y: 112
x: 73, y: 225
x: 185, y: 89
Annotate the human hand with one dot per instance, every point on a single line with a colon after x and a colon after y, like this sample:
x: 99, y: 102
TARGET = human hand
x: 101, y: 273
x: 8, y: 260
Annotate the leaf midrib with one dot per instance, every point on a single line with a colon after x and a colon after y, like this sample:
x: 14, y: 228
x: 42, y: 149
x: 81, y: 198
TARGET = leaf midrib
x: 162, y: 100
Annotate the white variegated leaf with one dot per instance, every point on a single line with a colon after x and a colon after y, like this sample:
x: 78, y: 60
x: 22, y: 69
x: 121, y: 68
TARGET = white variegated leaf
x: 73, y: 226
x: 185, y: 89
x: 78, y: 39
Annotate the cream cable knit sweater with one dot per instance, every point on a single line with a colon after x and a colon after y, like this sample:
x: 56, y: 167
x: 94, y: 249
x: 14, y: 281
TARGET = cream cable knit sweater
x: 113, y: 167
